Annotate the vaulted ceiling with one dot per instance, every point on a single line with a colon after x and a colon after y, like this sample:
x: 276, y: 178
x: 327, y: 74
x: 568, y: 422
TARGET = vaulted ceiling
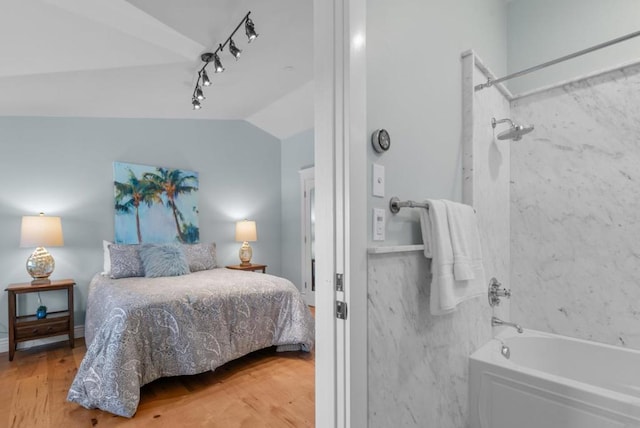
x: 139, y: 59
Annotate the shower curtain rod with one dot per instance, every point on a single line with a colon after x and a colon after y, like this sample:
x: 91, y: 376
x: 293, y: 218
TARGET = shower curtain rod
x: 491, y: 82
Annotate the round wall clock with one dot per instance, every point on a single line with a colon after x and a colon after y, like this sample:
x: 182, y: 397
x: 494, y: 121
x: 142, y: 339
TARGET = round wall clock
x: 380, y: 140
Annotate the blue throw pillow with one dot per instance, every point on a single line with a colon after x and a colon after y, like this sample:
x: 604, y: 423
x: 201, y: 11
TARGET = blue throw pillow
x: 163, y: 260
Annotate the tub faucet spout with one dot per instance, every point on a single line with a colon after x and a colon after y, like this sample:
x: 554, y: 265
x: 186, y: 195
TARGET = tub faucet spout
x: 495, y: 321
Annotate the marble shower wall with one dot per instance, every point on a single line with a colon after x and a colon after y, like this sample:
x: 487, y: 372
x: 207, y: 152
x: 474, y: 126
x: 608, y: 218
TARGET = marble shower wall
x: 418, y: 363
x: 575, y: 211
x: 486, y: 172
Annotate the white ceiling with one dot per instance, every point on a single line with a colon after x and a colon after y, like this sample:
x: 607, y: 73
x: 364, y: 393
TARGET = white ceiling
x: 139, y: 59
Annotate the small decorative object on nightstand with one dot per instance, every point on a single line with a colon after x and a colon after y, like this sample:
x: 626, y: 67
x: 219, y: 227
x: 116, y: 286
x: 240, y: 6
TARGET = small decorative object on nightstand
x: 41, y: 312
x: 42, y: 324
x: 250, y: 267
x: 245, y: 232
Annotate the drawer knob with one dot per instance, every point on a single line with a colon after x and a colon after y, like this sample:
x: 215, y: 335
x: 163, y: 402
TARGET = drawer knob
x: 34, y: 331
x: 49, y: 329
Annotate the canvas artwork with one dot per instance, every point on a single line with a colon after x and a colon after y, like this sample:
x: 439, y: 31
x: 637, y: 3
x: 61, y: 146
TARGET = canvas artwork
x: 155, y: 204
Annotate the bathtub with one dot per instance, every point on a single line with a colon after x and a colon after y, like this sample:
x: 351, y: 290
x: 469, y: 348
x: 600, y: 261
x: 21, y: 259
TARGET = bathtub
x: 553, y: 381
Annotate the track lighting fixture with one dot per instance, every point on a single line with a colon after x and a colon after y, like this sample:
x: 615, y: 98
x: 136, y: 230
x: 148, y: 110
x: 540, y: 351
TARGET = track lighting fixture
x: 217, y: 65
x: 199, y: 94
x: 249, y: 29
x: 233, y: 50
x: 207, y: 57
x: 205, y: 78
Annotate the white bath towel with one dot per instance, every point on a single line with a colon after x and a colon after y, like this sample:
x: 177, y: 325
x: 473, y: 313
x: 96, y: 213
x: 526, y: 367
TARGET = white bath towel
x: 465, y: 240
x: 446, y: 291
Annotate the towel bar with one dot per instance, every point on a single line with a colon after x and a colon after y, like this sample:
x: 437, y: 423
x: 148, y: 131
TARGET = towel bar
x: 395, y: 204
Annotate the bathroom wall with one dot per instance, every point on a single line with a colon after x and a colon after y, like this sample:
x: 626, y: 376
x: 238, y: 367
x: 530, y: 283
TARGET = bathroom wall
x: 543, y: 30
x: 574, y: 215
x: 414, y: 92
x: 418, y: 362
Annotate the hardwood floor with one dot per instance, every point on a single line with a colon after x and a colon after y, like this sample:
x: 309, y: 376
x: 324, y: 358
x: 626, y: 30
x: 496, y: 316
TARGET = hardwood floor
x: 262, y: 389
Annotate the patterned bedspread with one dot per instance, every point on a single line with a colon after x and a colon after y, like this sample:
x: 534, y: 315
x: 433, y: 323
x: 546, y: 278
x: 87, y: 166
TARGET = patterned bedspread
x: 140, y: 329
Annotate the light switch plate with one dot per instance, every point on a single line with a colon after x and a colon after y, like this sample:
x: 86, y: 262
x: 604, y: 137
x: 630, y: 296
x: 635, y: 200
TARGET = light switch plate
x: 378, y: 224
x: 378, y: 180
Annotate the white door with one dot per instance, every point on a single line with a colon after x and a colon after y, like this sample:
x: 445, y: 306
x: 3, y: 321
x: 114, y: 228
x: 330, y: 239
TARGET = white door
x: 307, y: 234
x: 340, y: 143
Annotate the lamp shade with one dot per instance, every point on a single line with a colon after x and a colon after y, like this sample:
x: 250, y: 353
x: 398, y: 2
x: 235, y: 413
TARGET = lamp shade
x: 246, y: 231
x: 41, y: 231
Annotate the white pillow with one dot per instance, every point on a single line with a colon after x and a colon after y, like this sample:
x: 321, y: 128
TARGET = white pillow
x: 106, y: 268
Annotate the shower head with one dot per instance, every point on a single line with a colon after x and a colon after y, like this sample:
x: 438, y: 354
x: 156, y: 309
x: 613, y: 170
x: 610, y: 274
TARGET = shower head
x: 515, y: 131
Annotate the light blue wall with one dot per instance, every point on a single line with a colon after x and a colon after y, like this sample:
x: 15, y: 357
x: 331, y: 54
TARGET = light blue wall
x: 414, y: 82
x: 543, y: 30
x: 64, y: 167
x: 297, y: 153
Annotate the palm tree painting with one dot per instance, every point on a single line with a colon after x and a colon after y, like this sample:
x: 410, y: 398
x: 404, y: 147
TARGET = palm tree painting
x: 130, y: 194
x: 155, y: 204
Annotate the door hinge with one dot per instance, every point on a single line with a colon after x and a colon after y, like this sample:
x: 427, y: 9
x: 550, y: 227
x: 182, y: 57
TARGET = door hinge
x: 341, y: 310
x: 339, y: 282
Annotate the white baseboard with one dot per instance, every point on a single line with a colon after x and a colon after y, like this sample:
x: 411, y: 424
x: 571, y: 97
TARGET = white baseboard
x: 78, y: 331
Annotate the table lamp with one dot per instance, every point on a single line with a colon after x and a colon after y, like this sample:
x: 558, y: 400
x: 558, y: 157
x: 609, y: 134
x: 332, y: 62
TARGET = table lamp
x: 40, y: 231
x: 245, y: 232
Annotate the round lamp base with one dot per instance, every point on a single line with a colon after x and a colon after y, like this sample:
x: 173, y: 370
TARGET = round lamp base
x: 40, y: 265
x: 245, y: 254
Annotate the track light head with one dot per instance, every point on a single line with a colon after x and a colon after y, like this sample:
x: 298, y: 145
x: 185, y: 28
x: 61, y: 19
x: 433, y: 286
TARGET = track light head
x: 196, y: 104
x: 250, y: 30
x: 233, y: 49
x: 217, y: 65
x: 199, y: 94
x: 205, y: 78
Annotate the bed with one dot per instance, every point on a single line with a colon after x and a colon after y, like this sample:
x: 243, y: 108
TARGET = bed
x: 140, y: 329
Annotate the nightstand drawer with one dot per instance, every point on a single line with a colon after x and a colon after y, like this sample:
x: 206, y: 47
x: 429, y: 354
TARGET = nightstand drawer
x: 42, y: 328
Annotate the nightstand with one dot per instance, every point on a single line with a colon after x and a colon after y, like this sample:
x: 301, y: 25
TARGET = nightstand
x: 251, y: 267
x: 29, y: 327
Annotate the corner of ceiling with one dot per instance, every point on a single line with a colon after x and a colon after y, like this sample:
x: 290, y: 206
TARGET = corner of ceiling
x: 288, y: 115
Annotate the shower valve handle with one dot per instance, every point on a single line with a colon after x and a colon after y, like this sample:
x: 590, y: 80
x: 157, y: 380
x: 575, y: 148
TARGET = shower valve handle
x: 495, y: 292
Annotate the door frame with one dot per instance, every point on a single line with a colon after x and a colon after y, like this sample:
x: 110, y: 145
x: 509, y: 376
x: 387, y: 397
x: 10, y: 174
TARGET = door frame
x: 340, y: 149
x: 307, y: 183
